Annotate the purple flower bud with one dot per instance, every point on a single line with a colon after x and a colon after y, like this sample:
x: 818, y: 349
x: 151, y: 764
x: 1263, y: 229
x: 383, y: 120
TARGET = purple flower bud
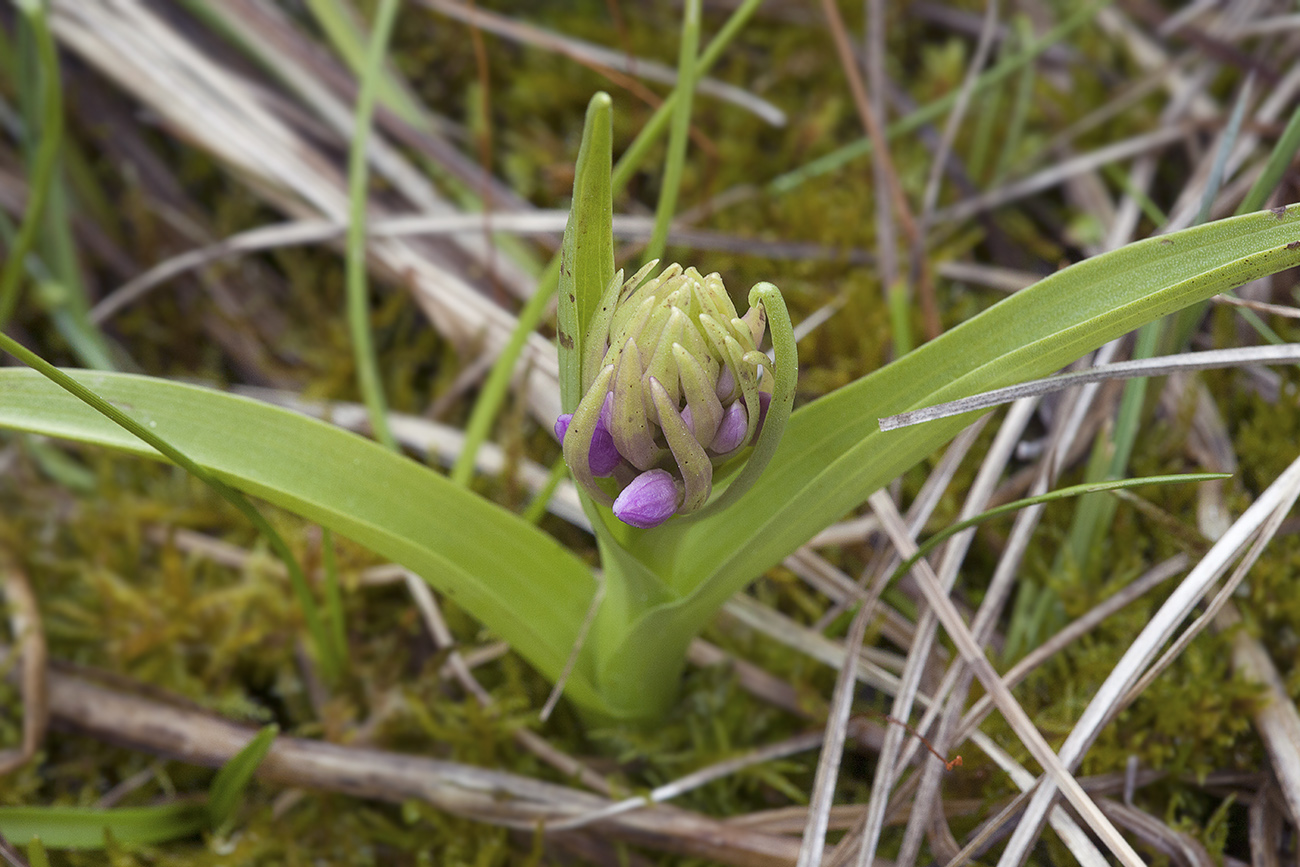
x: 649, y: 500
x: 726, y: 382
x: 562, y: 426
x: 604, y: 456
x: 671, y: 387
x: 731, y: 432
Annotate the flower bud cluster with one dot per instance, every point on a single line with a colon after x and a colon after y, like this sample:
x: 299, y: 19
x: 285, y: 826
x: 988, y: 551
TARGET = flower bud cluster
x: 674, y: 385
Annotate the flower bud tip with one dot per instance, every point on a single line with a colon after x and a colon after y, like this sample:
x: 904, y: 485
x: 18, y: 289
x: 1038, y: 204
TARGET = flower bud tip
x: 649, y: 500
x: 562, y: 426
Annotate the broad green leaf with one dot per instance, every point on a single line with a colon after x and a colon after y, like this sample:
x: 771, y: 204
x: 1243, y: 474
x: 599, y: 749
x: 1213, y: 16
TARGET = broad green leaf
x: 84, y: 827
x: 526, y: 586
x: 232, y: 779
x: 834, y: 454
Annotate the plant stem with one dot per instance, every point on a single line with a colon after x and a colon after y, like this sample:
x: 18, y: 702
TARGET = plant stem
x: 363, y: 348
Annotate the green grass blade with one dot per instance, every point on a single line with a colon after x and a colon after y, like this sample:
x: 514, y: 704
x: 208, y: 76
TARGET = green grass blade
x: 1086, y: 489
x: 372, y: 389
x: 1093, y: 513
x: 36, y: 856
x: 346, y: 34
x: 1278, y: 162
x: 85, y: 827
x: 1023, y: 97
x: 635, y: 155
x: 497, y: 385
x: 502, y: 570
x: 234, y: 776
x: 58, y: 272
x: 1009, y: 66
x: 44, y: 163
x: 680, y: 132
x: 334, y: 600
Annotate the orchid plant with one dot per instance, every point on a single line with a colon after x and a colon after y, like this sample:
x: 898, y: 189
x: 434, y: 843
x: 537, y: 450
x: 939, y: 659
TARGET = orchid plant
x: 696, y: 473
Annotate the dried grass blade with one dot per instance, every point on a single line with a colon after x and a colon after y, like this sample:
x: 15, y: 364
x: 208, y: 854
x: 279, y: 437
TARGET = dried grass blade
x: 1011, y: 710
x: 1144, y: 648
x: 25, y: 623
x: 1162, y: 366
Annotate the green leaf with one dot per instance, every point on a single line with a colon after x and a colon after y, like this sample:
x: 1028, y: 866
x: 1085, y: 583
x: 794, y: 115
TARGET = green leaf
x: 85, y: 827
x: 587, y: 257
x: 513, y: 577
x: 358, y: 286
x: 230, y: 782
x: 1085, y: 489
x: 834, y: 455
x: 677, y: 136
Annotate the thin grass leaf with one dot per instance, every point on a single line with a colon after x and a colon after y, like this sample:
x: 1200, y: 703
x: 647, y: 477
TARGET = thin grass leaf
x: 234, y: 776
x: 930, y: 112
x: 334, y: 600
x: 1060, y: 494
x: 36, y: 856
x: 1278, y: 160
x: 680, y: 131
x: 346, y: 34
x: 86, y: 827
x: 372, y: 388
x: 1093, y: 514
x: 44, y: 163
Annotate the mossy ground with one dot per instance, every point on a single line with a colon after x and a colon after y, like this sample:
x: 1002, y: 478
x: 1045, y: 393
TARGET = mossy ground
x: 117, y: 593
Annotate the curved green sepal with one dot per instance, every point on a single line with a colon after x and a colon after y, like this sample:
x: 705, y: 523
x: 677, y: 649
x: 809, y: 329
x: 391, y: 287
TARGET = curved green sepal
x: 785, y: 371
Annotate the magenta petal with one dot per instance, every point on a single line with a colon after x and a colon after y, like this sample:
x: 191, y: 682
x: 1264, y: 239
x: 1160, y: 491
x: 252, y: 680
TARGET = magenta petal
x: 731, y: 432
x: 562, y: 425
x: 604, y: 455
x: 648, y: 501
x: 688, y: 418
x: 726, y: 382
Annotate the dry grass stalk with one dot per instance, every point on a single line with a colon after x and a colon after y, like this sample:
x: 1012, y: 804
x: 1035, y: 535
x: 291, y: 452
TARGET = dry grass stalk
x: 32, y: 660
x: 77, y: 702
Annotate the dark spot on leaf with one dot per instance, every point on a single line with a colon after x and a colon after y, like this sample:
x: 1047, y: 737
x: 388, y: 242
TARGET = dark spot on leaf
x: 566, y: 341
x: 1294, y: 245
x: 573, y: 299
x: 1279, y: 211
x: 1165, y: 242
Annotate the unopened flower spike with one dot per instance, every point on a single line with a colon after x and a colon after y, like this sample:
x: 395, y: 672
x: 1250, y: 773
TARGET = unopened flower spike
x: 674, y: 386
